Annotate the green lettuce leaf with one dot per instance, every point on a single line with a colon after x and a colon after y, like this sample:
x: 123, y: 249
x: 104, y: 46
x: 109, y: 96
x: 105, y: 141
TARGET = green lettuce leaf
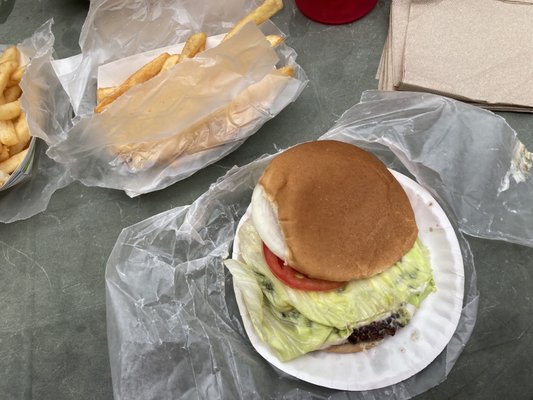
x: 294, y: 322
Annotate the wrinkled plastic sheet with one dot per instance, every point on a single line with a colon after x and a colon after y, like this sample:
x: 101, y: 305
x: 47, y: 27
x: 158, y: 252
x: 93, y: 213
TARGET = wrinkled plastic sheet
x: 182, y: 120
x: 174, y: 330
x: 45, y: 110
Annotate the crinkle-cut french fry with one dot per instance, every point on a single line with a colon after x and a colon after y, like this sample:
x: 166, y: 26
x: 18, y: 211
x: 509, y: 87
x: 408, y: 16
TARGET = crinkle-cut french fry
x: 257, y: 16
x: 10, y: 54
x: 194, y: 44
x: 4, y: 153
x: 170, y: 62
x: 146, y: 72
x: 12, y: 93
x: 16, y: 76
x: 287, y: 70
x: 9, y: 110
x: 11, y: 164
x: 6, y: 69
x: 103, y: 92
x: 275, y: 40
x: 8, y: 135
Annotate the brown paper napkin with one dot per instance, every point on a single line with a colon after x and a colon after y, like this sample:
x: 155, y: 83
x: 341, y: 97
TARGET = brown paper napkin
x: 480, y: 51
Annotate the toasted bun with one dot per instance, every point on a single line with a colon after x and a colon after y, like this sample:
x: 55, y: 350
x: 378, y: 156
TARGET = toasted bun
x: 351, y: 348
x: 342, y: 213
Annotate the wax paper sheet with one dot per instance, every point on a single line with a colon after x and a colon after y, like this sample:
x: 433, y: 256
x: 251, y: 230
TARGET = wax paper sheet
x: 45, y: 111
x: 174, y: 330
x: 183, y: 119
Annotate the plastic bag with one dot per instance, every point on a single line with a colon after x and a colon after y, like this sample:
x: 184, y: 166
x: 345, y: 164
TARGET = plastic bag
x: 469, y: 157
x: 181, y: 120
x: 174, y: 330
x: 45, y: 111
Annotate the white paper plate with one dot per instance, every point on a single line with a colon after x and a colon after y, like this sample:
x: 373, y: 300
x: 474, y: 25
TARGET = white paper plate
x: 412, y: 348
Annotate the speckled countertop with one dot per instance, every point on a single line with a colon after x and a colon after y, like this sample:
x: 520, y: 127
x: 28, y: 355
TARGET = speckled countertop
x: 52, y: 296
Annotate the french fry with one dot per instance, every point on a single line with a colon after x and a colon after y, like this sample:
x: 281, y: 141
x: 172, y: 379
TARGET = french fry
x: 4, y: 153
x: 287, y: 70
x: 6, y: 69
x: 14, y: 131
x: 194, y: 44
x: 275, y: 40
x: 170, y: 62
x: 12, y: 93
x: 257, y: 16
x: 16, y: 76
x: 9, y: 110
x: 22, y: 129
x: 11, y: 83
x: 16, y: 148
x: 103, y: 92
x: 23, y: 134
x: 146, y: 72
x: 11, y: 164
x: 10, y: 54
x: 8, y: 135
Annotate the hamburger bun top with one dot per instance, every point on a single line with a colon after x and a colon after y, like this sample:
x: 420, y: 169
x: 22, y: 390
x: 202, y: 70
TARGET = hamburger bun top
x: 342, y: 214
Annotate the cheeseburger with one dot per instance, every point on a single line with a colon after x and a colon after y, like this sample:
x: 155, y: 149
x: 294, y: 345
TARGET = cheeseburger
x: 329, y: 259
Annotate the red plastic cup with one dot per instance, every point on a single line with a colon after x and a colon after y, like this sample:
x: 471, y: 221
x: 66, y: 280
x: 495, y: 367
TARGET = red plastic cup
x: 335, y: 12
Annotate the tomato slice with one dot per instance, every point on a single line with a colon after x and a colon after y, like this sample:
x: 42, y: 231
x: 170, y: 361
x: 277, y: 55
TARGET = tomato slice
x: 294, y: 279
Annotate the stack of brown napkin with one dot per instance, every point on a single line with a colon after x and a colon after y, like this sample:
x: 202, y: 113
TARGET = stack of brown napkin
x: 479, y: 51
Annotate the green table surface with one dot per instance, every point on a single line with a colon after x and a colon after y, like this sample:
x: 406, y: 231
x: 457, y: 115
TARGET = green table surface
x: 52, y: 297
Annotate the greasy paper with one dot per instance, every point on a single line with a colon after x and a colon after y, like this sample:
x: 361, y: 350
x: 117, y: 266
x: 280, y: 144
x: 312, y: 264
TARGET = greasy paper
x: 116, y: 72
x: 116, y: 29
x: 219, y: 97
x: 181, y: 120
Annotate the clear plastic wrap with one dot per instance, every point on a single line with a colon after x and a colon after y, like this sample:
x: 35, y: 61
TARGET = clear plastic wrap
x: 45, y: 111
x: 174, y: 329
x: 469, y: 157
x: 181, y: 120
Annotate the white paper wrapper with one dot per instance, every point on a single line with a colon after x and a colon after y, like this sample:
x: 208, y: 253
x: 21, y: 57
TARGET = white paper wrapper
x: 32, y: 184
x: 183, y: 119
